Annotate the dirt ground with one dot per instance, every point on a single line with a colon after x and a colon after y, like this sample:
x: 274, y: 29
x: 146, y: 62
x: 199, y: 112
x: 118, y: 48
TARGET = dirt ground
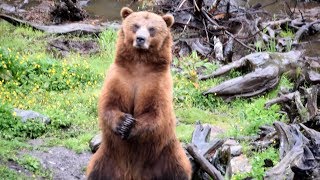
x: 62, y: 162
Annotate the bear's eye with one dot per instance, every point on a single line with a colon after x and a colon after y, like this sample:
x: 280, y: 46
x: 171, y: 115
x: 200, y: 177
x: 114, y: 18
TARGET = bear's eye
x: 135, y: 27
x: 152, y: 31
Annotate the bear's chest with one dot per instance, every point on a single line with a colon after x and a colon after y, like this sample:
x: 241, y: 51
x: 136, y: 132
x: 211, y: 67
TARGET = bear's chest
x: 140, y: 86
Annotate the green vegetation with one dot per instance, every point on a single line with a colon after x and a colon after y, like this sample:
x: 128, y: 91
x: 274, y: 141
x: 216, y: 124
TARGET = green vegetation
x: 7, y: 173
x: 287, y: 35
x: 67, y: 89
x: 33, y: 165
x: 257, y: 160
x: 11, y: 126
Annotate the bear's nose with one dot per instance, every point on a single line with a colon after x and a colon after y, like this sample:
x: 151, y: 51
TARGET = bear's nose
x: 140, y: 40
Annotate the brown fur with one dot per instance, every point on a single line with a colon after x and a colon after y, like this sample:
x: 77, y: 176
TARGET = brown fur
x: 139, y: 83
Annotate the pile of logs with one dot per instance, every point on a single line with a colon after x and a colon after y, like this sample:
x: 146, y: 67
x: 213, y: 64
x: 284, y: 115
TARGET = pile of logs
x: 298, y: 142
x: 218, y: 29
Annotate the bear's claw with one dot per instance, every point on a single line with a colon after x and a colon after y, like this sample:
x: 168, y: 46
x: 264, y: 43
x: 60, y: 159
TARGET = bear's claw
x: 125, y: 127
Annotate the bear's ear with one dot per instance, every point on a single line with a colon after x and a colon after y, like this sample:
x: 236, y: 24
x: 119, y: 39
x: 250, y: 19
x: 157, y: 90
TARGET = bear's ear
x: 125, y: 12
x: 168, y: 18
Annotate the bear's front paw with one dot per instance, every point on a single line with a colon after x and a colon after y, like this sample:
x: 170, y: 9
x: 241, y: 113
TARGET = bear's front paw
x: 125, y: 126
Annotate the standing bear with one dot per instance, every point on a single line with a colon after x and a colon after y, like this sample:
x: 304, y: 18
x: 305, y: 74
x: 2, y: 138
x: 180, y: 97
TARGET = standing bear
x: 135, y: 107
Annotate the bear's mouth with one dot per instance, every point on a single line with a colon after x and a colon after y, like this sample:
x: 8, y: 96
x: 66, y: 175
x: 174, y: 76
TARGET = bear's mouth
x: 140, y: 46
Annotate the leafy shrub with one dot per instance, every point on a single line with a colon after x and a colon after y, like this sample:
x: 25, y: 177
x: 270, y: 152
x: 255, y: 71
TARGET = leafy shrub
x: 30, y: 163
x: 43, y: 73
x: 7, y: 173
x: 33, y: 164
x: 12, y: 126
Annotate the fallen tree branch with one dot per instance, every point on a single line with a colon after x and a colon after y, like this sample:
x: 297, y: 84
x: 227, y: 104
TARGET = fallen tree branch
x: 281, y: 99
x: 71, y: 28
x: 244, y: 45
x: 302, y: 30
x: 204, y: 163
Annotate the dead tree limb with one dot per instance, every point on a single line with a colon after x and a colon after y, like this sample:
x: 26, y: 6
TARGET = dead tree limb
x: 249, y: 85
x: 303, y: 30
x: 71, y: 28
x: 281, y: 99
x: 231, y: 35
x: 204, y: 163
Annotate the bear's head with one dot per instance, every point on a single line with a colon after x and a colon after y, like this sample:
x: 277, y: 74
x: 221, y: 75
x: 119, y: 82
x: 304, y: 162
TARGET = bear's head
x: 145, y: 30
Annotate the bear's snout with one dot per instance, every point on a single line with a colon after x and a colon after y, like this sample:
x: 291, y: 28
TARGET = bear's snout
x: 140, y: 40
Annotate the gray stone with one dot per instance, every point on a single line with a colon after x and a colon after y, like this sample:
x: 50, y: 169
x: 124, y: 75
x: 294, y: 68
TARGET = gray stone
x: 28, y: 115
x: 240, y: 164
x: 215, y: 131
x: 231, y: 142
x: 236, y: 150
x: 95, y: 142
x: 235, y: 147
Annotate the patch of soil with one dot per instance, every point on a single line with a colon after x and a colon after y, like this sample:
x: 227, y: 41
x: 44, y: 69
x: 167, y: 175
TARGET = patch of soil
x: 46, y: 12
x: 62, y: 47
x: 18, y: 168
x: 62, y: 162
x: 39, y: 13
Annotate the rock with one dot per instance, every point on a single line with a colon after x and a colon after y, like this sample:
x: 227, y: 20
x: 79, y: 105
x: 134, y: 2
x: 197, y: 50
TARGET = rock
x: 235, y: 147
x: 236, y: 150
x: 216, y: 131
x: 231, y: 142
x: 83, y: 3
x: 95, y: 142
x: 7, y: 8
x: 28, y: 114
x: 240, y: 164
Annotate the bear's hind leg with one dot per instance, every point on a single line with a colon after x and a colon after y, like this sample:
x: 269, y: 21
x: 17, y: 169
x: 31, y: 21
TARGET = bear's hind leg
x: 100, y: 168
x: 172, y: 164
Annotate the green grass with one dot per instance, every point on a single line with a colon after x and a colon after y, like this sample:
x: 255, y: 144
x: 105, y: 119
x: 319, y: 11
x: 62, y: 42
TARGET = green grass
x: 67, y: 90
x: 271, y: 45
x: 7, y: 173
x: 257, y: 162
x: 9, y: 148
x: 33, y: 165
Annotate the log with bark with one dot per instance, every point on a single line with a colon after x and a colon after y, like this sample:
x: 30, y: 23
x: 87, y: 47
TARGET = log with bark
x: 267, y: 69
x: 204, y: 163
x: 240, y: 29
x: 70, y: 28
x: 301, y: 106
x: 299, y: 153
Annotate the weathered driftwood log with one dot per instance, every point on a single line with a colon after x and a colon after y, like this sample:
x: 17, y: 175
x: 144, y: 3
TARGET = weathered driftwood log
x: 248, y: 85
x: 301, y: 106
x: 201, y: 138
x: 260, y: 60
x: 267, y: 137
x: 281, y: 99
x: 291, y: 148
x: 204, y: 163
x: 71, y: 28
x: 267, y: 69
x: 302, y: 30
x: 299, y: 154
x: 222, y: 160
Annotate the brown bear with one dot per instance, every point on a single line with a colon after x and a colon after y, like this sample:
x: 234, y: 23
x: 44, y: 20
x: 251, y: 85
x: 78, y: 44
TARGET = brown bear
x: 135, y: 106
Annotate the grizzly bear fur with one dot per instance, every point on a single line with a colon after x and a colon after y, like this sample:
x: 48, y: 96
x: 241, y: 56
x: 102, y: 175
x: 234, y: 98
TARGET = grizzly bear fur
x: 135, y: 106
